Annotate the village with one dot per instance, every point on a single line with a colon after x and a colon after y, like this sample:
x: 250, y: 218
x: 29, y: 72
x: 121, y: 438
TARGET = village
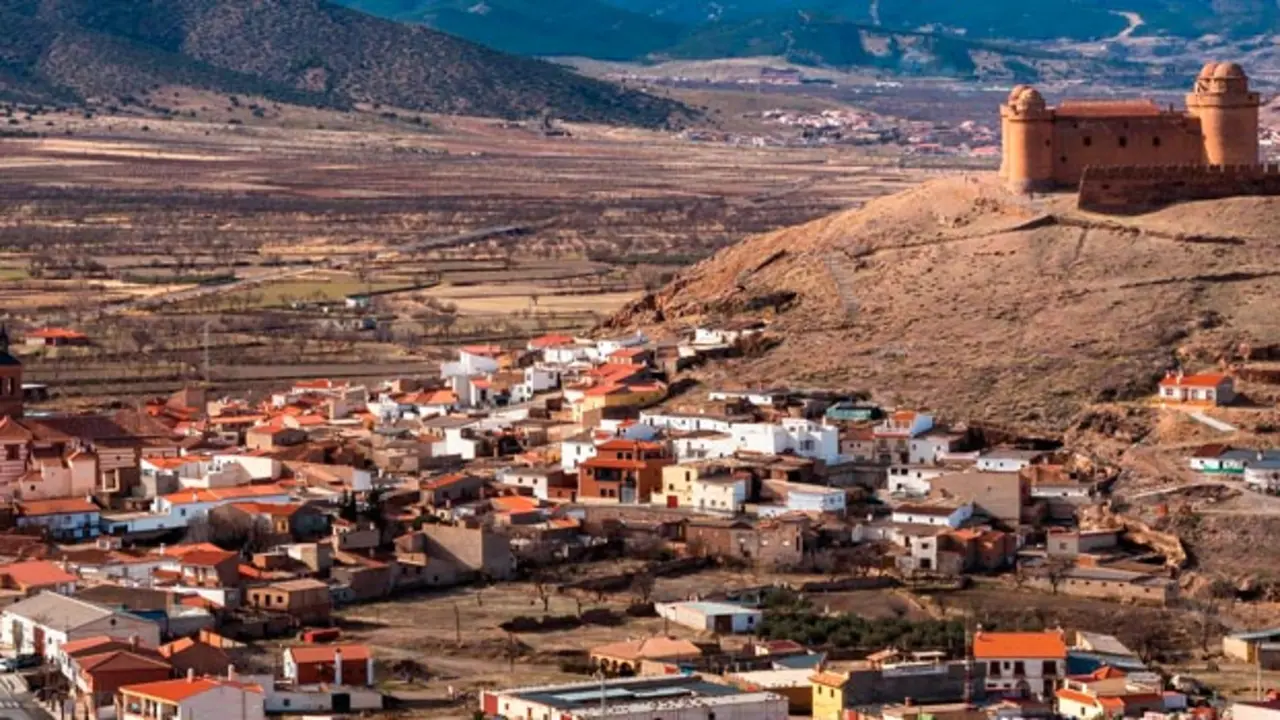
x: 197, y: 556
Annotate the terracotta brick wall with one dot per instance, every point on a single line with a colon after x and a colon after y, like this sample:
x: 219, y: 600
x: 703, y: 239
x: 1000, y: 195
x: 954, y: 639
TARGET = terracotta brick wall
x: 1139, y: 189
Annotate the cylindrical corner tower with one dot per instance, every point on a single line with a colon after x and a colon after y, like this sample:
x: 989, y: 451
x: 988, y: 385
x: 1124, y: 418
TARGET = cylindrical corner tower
x: 1228, y: 113
x: 1026, y: 126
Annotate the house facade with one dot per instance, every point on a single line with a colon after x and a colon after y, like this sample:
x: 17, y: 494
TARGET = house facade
x: 1204, y: 389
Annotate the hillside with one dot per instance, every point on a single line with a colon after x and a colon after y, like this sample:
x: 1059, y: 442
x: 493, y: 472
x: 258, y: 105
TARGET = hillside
x: 589, y: 28
x: 959, y: 297
x: 289, y: 50
x: 909, y: 36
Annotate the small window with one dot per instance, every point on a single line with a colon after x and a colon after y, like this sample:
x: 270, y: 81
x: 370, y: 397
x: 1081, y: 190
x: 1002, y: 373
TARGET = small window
x: 1124, y: 141
x: 1088, y: 141
x: 1063, y: 159
x: 1155, y: 141
x: 1048, y: 143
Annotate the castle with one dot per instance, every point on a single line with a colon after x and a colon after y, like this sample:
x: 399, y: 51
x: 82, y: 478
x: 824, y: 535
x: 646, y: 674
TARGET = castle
x: 1051, y: 147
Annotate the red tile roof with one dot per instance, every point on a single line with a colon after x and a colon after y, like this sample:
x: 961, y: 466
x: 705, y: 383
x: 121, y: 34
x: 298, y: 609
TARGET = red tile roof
x: 272, y: 509
x: 547, y: 341
x: 486, y: 350
x: 1204, y: 380
x: 54, y: 333
x: 307, y: 654
x: 36, y: 573
x: 176, y: 691
x: 1019, y: 645
x: 61, y: 506
x: 186, y: 497
x: 513, y: 504
x: 1107, y: 108
x: 207, y: 558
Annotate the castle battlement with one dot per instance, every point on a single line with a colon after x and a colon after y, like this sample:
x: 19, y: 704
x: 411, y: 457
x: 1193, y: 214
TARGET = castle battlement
x: 1047, y: 147
x: 1128, y: 190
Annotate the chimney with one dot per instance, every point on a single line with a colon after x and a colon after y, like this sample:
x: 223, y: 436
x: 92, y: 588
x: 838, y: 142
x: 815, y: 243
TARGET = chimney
x: 231, y: 671
x: 337, y: 666
x: 191, y: 675
x: 133, y: 642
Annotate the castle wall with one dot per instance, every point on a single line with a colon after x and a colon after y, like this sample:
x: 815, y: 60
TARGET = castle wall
x: 1080, y: 142
x: 1130, y: 190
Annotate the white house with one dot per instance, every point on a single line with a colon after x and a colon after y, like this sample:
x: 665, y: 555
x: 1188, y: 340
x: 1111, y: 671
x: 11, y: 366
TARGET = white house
x: 952, y: 516
x: 686, y: 422
x: 932, y: 446
x: 721, y: 494
x: 455, y: 442
x: 1263, y: 475
x: 175, y: 510
x: 576, y: 450
x: 259, y: 469
x: 726, y: 334
x: 1008, y: 460
x: 52, y: 620
x: 191, y: 698
x: 605, y: 348
x: 720, y: 618
x: 759, y: 398
x: 1021, y: 663
x: 807, y: 498
x: 63, y: 518
x: 912, y: 479
x: 703, y: 445
x: 566, y: 354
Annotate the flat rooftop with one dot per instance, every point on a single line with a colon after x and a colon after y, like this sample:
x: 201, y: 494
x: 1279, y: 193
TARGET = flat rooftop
x: 628, y: 691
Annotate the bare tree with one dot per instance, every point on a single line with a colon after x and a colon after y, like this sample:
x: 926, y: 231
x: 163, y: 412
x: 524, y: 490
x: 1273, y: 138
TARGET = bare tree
x: 642, y: 586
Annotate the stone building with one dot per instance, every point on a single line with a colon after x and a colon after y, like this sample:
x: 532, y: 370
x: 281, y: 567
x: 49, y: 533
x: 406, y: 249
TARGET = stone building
x: 1050, y: 146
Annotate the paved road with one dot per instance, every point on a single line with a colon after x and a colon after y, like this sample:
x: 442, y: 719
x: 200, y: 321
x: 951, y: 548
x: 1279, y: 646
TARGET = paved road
x: 16, y: 702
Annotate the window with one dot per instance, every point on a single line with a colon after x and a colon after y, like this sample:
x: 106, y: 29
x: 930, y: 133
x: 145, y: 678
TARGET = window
x: 1019, y: 668
x: 1124, y: 141
x: 285, y: 702
x: 1063, y: 159
x: 994, y: 670
x: 11, y: 452
x: 1088, y: 141
x: 1155, y: 141
x: 1050, y: 667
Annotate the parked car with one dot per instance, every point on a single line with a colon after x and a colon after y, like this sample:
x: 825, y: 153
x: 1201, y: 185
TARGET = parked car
x: 20, y: 662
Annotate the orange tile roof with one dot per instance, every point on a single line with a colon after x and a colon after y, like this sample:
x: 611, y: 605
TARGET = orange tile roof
x: 325, y: 653
x: 1076, y: 696
x: 120, y: 661
x: 546, y: 341
x: 272, y: 509
x: 628, y: 352
x: 316, y: 384
x: 237, y: 419
x: 1107, y: 108
x: 54, y: 333
x: 180, y: 550
x: 434, y: 397
x: 61, y: 506
x: 445, y: 481
x: 654, y: 648
x: 186, y: 497
x: 176, y: 691
x: 169, y: 463
x: 176, y: 646
x: 74, y: 646
x: 514, y: 503
x: 829, y: 679
x: 207, y: 558
x: 487, y: 350
x: 310, y: 420
x: 1198, y: 380
x: 1011, y: 645
x: 36, y: 573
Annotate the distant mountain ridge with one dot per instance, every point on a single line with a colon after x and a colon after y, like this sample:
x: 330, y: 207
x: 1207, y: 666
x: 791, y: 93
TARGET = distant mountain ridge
x: 306, y: 51
x: 819, y: 32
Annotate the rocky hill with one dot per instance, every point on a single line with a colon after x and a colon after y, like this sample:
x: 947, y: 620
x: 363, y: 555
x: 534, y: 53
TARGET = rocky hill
x: 291, y: 50
x: 960, y: 297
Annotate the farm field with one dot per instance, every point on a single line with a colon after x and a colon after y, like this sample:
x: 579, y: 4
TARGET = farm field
x: 155, y: 238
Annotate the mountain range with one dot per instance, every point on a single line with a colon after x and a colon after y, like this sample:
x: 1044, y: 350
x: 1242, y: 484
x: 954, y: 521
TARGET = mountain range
x: 838, y: 33
x: 300, y: 51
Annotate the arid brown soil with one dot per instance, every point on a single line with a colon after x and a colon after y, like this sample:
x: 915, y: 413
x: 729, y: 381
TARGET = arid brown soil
x: 960, y: 297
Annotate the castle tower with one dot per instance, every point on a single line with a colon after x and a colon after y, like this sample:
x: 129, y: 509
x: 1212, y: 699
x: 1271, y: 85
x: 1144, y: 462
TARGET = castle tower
x: 10, y: 379
x: 1026, y: 126
x: 1228, y: 113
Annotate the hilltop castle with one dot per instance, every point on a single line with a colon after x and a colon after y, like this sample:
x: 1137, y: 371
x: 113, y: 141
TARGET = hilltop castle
x: 1049, y: 147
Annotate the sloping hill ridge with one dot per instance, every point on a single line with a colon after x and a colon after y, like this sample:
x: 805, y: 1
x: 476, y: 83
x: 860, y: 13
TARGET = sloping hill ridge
x: 960, y: 297
x: 293, y: 50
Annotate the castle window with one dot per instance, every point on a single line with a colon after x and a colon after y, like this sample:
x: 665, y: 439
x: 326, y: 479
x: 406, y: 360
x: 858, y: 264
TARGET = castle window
x: 1064, y: 158
x: 1047, y: 143
x: 1155, y: 142
x: 1124, y: 141
x: 1088, y: 141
